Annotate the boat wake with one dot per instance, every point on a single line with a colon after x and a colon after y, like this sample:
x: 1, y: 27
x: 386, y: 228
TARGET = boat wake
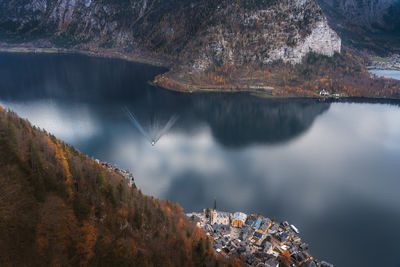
x: 156, y: 130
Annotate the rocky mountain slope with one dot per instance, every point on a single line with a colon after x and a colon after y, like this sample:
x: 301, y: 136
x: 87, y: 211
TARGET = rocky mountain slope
x: 262, y: 32
x: 204, y: 32
x: 60, y: 208
x: 366, y: 24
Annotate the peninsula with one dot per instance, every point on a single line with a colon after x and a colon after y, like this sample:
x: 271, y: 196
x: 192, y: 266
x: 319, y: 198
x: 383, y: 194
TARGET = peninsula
x: 284, y: 48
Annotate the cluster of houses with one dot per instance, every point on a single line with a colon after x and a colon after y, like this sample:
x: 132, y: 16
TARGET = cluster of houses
x: 391, y: 63
x: 256, y: 240
x: 326, y: 93
x: 124, y: 172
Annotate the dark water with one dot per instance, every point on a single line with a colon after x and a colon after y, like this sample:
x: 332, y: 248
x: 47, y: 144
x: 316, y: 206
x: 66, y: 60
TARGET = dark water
x: 333, y: 170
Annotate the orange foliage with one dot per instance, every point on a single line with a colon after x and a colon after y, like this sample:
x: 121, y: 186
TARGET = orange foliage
x: 285, y: 258
x: 131, y: 247
x: 62, y: 159
x: 42, y: 242
x: 56, y: 230
x: 180, y: 223
x: 168, y: 209
x: 1, y: 108
x: 123, y: 213
x: 178, y: 208
x: 196, y: 233
x: 59, y: 232
x: 87, y: 240
x: 237, y: 262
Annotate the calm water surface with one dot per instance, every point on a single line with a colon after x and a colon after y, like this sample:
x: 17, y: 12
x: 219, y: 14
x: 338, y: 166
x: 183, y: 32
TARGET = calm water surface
x: 394, y: 74
x: 333, y: 170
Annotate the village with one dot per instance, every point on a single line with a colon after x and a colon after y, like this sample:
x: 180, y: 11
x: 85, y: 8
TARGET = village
x: 257, y: 240
x: 390, y: 63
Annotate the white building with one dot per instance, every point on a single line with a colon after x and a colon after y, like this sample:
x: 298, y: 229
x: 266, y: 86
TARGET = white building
x: 219, y: 217
x: 323, y: 92
x: 239, y: 218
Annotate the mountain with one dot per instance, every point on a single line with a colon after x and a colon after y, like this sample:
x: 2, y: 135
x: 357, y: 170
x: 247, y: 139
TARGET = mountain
x: 262, y: 46
x: 221, y: 32
x: 366, y: 24
x: 60, y: 208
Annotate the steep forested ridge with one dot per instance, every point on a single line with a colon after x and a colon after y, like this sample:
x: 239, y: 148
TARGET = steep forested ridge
x: 60, y: 208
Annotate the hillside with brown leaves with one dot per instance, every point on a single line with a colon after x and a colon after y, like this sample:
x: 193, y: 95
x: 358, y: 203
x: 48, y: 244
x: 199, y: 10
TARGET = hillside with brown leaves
x: 60, y: 208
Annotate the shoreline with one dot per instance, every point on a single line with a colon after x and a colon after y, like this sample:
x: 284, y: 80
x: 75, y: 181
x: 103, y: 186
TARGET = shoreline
x: 151, y: 60
x: 264, y: 95
x: 102, y: 53
x: 381, y: 68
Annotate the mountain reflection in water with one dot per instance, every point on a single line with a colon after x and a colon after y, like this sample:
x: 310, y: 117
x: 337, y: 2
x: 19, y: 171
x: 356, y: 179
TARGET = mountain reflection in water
x: 330, y: 169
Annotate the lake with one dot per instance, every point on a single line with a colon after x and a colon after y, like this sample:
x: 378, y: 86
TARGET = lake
x: 394, y: 74
x: 331, y: 169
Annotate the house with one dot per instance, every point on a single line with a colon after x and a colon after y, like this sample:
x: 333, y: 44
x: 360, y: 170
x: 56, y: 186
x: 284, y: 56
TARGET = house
x: 208, y: 228
x: 220, y: 228
x: 274, y: 228
x: 220, y: 217
x: 130, y: 181
x: 271, y: 263
x: 280, y: 238
x: 257, y: 223
x: 297, y: 240
x: 246, y: 232
x: 285, y: 225
x: 258, y: 234
x: 250, y: 220
x: 239, y: 218
x: 265, y: 225
x: 249, y: 258
x: 323, y: 92
x: 300, y: 257
x: 268, y: 248
x: 304, y: 246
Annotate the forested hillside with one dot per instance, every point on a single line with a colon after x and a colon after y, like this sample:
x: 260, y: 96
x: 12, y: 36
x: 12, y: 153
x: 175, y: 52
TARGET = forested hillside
x: 60, y: 208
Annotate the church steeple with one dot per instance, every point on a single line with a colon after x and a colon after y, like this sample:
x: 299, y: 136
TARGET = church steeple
x: 215, y: 204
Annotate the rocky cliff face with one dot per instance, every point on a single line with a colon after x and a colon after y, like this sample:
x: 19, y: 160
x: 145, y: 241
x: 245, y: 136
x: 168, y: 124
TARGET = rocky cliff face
x: 265, y: 32
x: 198, y: 33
